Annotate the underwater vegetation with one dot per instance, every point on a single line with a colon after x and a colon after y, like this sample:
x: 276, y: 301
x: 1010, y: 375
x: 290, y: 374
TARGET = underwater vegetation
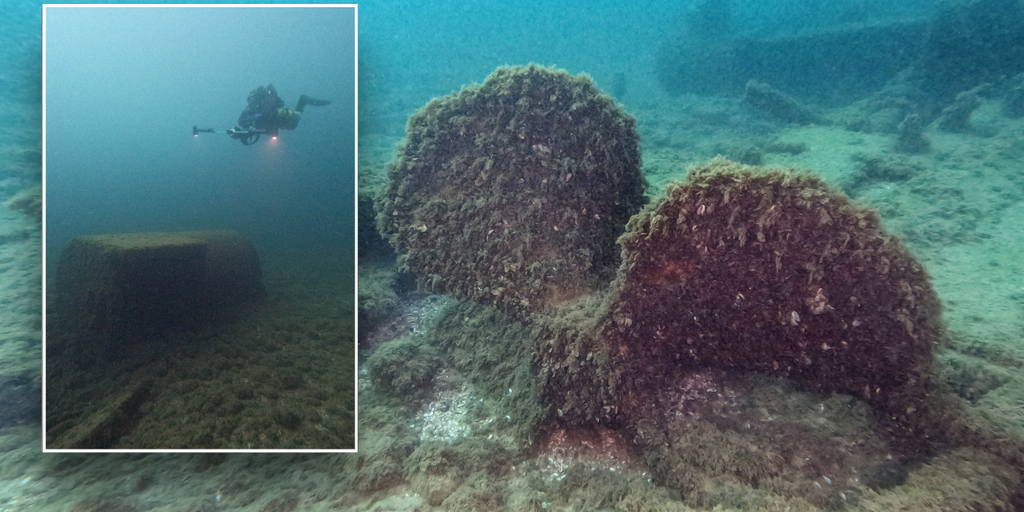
x: 525, y: 194
x: 512, y: 192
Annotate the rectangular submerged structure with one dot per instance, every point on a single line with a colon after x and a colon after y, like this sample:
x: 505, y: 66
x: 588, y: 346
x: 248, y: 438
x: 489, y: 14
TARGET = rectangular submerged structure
x: 147, y: 283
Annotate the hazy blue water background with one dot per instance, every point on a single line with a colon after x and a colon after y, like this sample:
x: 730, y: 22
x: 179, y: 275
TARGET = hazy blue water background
x: 125, y: 87
x: 412, y: 51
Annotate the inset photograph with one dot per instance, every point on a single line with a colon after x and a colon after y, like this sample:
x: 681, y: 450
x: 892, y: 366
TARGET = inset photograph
x: 199, y: 228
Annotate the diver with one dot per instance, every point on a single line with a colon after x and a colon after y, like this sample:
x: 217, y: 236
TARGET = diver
x: 264, y: 114
x: 265, y: 111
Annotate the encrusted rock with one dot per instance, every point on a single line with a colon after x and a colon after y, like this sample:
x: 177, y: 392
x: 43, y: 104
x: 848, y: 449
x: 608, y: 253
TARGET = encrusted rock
x: 513, y: 192
x: 773, y: 271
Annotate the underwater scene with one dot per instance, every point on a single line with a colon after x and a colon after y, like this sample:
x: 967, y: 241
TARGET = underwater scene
x: 200, y: 286
x: 647, y: 256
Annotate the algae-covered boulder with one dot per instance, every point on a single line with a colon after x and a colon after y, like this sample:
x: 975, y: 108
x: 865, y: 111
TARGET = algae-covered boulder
x: 513, y: 192
x: 136, y: 284
x: 771, y: 270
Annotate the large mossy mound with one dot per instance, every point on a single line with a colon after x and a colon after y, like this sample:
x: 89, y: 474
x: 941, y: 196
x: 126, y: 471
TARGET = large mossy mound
x: 771, y: 270
x: 403, y: 367
x: 574, y: 363
x: 513, y: 192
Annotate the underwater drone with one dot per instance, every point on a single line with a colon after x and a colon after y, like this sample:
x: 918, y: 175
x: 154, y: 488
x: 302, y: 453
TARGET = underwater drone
x: 247, y: 137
